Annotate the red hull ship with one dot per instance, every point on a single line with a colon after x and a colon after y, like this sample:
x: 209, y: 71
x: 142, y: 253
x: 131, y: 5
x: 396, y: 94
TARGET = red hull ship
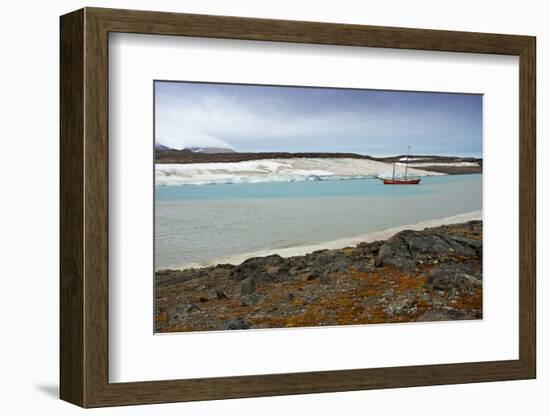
x: 402, y: 181
x: 414, y: 181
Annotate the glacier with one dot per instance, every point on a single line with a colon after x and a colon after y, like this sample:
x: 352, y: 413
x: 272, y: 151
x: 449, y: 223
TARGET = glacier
x: 276, y: 170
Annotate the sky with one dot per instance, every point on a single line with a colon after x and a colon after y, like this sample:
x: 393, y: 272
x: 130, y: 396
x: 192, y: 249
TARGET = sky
x: 259, y: 118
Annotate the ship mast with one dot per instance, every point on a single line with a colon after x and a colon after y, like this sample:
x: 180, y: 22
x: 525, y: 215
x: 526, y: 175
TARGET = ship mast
x: 407, y: 161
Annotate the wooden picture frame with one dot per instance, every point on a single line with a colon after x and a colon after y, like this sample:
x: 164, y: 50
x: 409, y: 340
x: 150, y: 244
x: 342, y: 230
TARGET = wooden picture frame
x: 84, y: 207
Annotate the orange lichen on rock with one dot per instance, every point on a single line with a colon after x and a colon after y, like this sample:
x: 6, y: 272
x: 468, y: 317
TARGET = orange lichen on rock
x: 417, y: 280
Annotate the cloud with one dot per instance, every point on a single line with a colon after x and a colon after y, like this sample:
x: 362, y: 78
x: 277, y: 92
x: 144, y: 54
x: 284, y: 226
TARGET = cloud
x: 192, y: 139
x: 294, y: 119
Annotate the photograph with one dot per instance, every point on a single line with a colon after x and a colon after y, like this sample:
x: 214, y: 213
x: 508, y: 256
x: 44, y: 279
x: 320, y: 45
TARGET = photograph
x: 278, y: 204
x: 285, y: 206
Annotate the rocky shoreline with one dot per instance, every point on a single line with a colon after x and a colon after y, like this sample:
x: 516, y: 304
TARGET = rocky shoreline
x: 429, y: 275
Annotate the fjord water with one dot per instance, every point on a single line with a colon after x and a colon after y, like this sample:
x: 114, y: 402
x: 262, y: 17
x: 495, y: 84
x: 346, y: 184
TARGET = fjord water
x: 195, y: 224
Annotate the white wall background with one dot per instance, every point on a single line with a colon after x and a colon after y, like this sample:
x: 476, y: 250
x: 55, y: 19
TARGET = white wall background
x: 29, y: 205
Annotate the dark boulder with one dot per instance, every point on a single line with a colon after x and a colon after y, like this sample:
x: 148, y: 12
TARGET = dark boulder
x: 365, y: 267
x: 233, y: 324
x: 165, y: 278
x: 340, y: 263
x: 263, y: 269
x: 248, y: 286
x: 421, y: 243
x: 409, y: 247
x: 394, y: 252
x: 312, y: 275
x: 297, y: 263
x: 279, y: 273
x: 463, y: 246
x: 453, y: 277
x: 368, y: 249
x: 325, y: 259
x: 262, y: 262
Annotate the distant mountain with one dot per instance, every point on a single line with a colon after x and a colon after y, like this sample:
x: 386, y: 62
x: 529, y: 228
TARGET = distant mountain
x: 160, y: 146
x: 210, y: 150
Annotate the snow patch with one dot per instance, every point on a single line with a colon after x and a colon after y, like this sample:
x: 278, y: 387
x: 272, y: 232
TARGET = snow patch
x: 275, y: 170
x: 403, y: 159
x: 453, y: 164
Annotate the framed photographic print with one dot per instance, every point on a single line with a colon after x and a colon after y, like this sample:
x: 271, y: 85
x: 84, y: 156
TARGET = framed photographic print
x: 255, y: 207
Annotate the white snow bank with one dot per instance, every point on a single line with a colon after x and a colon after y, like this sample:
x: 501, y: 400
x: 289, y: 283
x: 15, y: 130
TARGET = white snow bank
x: 454, y: 164
x: 403, y: 159
x: 275, y: 170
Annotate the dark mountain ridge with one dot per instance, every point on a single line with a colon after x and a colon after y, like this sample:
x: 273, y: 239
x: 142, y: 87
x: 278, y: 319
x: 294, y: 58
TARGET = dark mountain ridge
x: 190, y: 156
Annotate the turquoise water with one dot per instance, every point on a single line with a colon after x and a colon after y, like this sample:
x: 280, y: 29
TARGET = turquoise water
x: 198, y: 223
x: 352, y: 187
